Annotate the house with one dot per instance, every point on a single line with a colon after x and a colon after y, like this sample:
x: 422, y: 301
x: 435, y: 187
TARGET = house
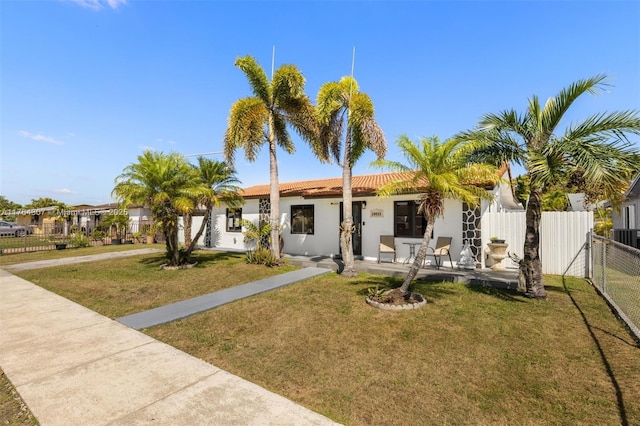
x: 42, y: 220
x: 311, y: 210
x: 626, y: 223
x: 54, y: 220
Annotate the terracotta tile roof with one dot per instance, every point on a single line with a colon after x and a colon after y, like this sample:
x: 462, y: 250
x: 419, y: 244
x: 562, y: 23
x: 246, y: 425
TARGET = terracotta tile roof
x: 362, y: 185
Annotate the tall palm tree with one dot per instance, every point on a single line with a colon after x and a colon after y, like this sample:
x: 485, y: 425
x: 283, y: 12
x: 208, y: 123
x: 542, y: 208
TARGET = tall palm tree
x: 438, y: 170
x: 347, y: 128
x: 167, y: 184
x: 263, y: 118
x: 222, y: 187
x: 598, y: 147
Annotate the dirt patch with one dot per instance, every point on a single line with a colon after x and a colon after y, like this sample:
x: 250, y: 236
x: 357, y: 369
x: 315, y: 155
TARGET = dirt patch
x: 395, y: 300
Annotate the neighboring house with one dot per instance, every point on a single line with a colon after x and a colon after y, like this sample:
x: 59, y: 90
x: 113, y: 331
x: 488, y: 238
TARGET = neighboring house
x: 626, y: 223
x: 311, y: 214
x: 578, y: 203
x: 44, y: 220
x: 53, y: 220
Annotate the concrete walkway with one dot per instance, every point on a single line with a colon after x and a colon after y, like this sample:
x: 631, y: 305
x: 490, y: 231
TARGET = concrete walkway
x: 79, y: 259
x: 203, y: 303
x: 73, y: 366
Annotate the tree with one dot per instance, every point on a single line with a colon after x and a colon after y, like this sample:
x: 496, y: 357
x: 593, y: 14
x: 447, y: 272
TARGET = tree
x: 221, y: 188
x: 263, y: 118
x: 8, y: 208
x: 598, y: 147
x: 438, y: 170
x: 167, y: 184
x: 347, y: 126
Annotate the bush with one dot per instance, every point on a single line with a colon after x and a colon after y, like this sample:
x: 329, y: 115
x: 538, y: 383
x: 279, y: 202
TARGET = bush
x: 98, y: 235
x: 261, y: 256
x: 79, y: 240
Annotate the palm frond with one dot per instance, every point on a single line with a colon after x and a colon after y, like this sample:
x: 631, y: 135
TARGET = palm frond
x: 440, y: 170
x: 557, y: 106
x: 245, y: 129
x: 606, y: 125
x: 287, y: 85
x: 283, y: 139
x: 257, y: 78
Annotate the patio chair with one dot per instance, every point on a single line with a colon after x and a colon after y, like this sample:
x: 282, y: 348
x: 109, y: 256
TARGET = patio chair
x: 387, y: 246
x: 443, y: 248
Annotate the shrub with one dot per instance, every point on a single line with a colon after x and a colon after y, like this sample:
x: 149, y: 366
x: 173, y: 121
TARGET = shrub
x: 261, y: 256
x: 98, y: 235
x: 79, y: 240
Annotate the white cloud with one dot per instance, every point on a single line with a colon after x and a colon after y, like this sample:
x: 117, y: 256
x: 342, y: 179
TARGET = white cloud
x: 63, y: 191
x: 99, y: 4
x: 146, y: 148
x: 171, y: 142
x: 40, y: 137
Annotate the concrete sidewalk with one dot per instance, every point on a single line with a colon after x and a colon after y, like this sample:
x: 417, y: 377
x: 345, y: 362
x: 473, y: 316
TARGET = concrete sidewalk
x: 79, y: 259
x: 73, y: 366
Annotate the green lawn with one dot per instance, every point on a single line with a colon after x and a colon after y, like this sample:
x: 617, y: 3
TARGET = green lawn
x: 124, y: 286
x: 471, y: 356
x: 13, y: 411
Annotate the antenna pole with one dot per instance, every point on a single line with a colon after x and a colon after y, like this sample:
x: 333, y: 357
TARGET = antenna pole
x: 353, y: 64
x: 273, y: 60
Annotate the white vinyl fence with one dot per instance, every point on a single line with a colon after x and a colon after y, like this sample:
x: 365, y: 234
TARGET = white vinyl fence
x: 562, y: 236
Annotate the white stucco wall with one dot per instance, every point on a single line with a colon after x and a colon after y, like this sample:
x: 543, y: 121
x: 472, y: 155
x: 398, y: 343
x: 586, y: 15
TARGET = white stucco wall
x: 138, y: 214
x: 325, y: 239
x: 196, y: 221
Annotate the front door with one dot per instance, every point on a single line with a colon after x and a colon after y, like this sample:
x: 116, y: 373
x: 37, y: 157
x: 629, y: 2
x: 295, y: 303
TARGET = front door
x: 356, y: 210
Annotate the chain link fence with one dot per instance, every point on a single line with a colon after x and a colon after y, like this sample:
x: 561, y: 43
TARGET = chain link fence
x: 616, y: 274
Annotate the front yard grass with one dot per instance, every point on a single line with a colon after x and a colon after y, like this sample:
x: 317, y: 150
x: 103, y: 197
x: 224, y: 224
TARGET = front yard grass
x: 125, y: 286
x: 471, y: 356
x: 13, y: 411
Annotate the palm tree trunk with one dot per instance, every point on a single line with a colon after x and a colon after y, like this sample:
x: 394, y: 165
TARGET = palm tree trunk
x: 170, y: 231
x: 188, y: 221
x: 347, y: 226
x: 531, y: 265
x: 192, y: 245
x: 420, y: 256
x: 274, y: 194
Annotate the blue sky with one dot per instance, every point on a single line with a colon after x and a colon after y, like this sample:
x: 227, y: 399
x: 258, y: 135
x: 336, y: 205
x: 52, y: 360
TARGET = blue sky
x: 87, y: 85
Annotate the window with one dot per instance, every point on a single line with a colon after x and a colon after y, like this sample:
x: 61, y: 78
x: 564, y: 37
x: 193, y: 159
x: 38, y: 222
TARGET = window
x: 302, y: 219
x: 233, y: 220
x: 408, y: 223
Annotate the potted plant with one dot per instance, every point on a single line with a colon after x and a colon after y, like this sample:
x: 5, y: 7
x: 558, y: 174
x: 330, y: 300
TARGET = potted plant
x: 497, y: 252
x: 150, y: 233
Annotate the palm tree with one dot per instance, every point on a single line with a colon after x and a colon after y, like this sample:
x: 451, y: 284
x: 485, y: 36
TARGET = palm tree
x: 598, y: 147
x: 167, y: 184
x: 340, y: 102
x: 221, y: 186
x: 438, y: 170
x: 263, y: 118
